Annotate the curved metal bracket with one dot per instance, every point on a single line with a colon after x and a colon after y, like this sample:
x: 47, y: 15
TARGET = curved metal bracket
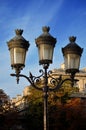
x: 55, y: 82
x: 33, y: 80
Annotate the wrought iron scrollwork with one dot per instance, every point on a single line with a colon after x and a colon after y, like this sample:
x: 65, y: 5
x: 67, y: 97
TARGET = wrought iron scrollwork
x: 47, y: 79
x: 54, y: 81
x: 35, y: 79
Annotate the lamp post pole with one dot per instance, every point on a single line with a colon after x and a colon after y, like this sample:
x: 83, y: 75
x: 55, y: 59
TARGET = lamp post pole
x: 45, y: 43
x: 46, y: 123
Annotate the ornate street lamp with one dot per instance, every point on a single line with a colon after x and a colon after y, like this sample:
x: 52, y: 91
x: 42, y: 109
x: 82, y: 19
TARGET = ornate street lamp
x: 72, y: 54
x: 45, y: 43
x: 18, y: 47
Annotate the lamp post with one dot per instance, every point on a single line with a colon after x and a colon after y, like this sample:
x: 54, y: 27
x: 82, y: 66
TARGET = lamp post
x: 45, y: 43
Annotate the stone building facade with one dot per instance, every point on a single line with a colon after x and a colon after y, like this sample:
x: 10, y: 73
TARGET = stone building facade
x: 19, y: 100
x: 81, y: 76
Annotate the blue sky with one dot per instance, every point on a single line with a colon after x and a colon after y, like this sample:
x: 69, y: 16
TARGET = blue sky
x: 65, y: 18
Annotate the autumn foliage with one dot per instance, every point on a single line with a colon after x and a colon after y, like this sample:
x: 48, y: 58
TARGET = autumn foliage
x: 64, y: 113
x: 69, y: 116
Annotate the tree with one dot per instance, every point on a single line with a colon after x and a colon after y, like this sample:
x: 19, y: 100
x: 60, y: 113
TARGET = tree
x: 8, y: 112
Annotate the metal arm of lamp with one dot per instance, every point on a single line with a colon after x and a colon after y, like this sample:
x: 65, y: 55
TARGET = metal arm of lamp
x: 56, y: 82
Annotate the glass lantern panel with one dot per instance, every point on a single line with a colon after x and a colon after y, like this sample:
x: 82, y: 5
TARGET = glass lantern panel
x: 17, y: 56
x: 12, y: 56
x: 72, y: 61
x: 45, y: 52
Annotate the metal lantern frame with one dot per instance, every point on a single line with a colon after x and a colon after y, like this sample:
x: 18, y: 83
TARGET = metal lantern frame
x: 72, y: 54
x: 18, y: 46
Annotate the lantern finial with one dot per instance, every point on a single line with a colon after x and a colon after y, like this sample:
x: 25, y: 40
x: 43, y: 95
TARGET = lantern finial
x: 18, y: 31
x: 46, y: 29
x: 72, y: 39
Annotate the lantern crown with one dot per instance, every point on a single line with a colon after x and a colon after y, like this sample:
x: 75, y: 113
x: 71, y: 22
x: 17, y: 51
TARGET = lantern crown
x: 18, y: 40
x: 72, y: 47
x: 45, y: 38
